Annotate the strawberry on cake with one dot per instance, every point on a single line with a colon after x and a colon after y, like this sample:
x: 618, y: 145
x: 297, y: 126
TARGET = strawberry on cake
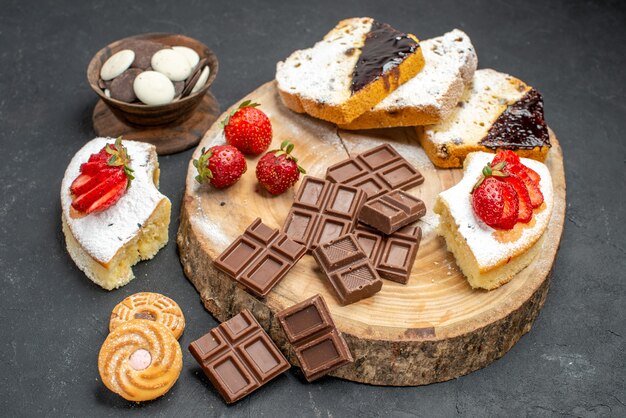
x: 494, y: 218
x: 112, y: 212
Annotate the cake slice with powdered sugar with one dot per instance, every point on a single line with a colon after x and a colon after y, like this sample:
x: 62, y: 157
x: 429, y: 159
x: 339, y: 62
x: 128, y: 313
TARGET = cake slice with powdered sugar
x: 357, y: 64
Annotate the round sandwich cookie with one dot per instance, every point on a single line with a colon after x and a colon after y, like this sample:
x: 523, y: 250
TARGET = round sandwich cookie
x: 122, y: 85
x: 117, y: 64
x: 140, y: 360
x: 152, y: 307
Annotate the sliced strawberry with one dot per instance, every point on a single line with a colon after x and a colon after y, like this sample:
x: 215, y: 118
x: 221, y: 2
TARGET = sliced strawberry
x: 109, y: 198
x: 534, y: 176
x: 510, y: 211
x: 506, y: 155
x: 86, y: 201
x: 100, y: 156
x: 85, y: 182
x: 495, y: 202
x: 93, y: 167
x: 525, y: 207
x: 536, y: 197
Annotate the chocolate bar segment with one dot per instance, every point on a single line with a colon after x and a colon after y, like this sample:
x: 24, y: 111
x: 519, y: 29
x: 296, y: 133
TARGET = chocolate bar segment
x: 322, y: 211
x: 348, y: 269
x: 319, y: 346
x: 376, y: 171
x: 391, y: 211
x: 238, y: 357
x: 260, y: 258
x: 392, y: 255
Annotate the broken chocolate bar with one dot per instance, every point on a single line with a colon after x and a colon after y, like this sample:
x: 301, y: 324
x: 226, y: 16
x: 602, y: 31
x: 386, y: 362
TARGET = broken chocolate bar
x: 348, y: 269
x: 392, y: 255
x: 238, y: 357
x: 322, y: 211
x: 376, y: 171
x: 260, y: 257
x: 391, y: 211
x: 319, y: 346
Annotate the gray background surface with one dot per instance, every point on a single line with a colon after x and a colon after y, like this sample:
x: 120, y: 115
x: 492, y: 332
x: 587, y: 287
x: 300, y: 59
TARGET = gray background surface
x: 53, y: 320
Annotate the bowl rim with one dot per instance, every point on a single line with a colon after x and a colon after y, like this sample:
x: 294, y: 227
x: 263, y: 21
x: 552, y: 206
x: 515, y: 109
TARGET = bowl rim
x: 149, y: 36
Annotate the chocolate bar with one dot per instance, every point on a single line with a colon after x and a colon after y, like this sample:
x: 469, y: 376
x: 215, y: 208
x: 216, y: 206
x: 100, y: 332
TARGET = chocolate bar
x: 392, y: 255
x: 376, y: 171
x: 348, y: 269
x: 319, y: 346
x: 238, y: 357
x: 260, y: 257
x: 391, y: 211
x: 322, y: 211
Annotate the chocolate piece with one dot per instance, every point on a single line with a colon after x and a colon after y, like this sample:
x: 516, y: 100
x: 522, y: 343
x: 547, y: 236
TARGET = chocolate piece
x: 122, y: 85
x: 260, y: 257
x: 383, y: 50
x: 322, y: 211
x: 178, y: 88
x: 238, y: 357
x: 392, y: 255
x: 520, y: 126
x: 348, y: 269
x: 144, y: 50
x: 376, y: 171
x: 193, y: 79
x: 392, y: 211
x: 319, y: 346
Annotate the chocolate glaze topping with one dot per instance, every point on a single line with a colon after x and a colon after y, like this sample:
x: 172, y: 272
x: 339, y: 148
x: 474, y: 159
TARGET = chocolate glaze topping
x: 520, y: 126
x: 383, y: 50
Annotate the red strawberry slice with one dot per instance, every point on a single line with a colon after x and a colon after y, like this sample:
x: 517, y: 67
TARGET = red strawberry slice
x: 534, y: 176
x: 506, y: 155
x: 85, y: 182
x: 536, y: 197
x: 525, y: 207
x: 103, y: 194
x: 496, y: 203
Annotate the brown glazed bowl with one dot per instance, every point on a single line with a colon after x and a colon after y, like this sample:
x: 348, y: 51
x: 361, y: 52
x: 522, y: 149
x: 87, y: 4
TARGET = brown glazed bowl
x: 143, y: 115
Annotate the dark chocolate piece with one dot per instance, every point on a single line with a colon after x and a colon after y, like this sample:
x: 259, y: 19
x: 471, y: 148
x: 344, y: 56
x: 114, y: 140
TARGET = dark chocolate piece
x: 238, y: 357
x: 144, y: 50
x: 122, y: 85
x: 520, y: 126
x: 376, y: 171
x: 319, y: 346
x: 260, y: 257
x: 392, y: 255
x: 383, y: 50
x: 194, y: 77
x: 392, y: 211
x: 322, y: 211
x: 348, y: 269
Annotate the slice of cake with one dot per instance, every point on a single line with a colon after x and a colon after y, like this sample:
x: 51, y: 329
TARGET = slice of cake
x: 357, y: 64
x: 490, y: 257
x: 431, y: 95
x: 497, y: 111
x: 110, y: 225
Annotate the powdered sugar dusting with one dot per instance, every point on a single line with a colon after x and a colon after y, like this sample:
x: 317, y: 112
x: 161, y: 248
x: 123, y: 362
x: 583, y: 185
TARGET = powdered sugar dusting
x: 102, y: 234
x: 479, y: 236
x: 324, y: 73
x: 483, y: 101
x: 450, y: 61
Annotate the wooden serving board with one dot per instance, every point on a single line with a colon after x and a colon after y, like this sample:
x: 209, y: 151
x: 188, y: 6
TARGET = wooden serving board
x: 432, y: 329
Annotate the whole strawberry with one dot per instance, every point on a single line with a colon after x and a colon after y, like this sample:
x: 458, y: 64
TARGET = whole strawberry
x: 278, y: 170
x: 248, y: 129
x: 495, y: 201
x: 220, y: 165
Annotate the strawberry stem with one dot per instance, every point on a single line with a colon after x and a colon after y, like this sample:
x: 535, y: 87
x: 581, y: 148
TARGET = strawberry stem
x: 202, y: 165
x: 245, y: 103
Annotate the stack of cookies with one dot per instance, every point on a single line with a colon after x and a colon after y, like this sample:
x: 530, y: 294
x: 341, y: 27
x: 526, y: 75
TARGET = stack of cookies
x: 365, y: 74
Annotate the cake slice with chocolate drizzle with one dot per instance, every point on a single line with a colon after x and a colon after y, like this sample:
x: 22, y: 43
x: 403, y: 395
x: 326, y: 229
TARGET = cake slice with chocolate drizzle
x: 357, y: 64
x: 497, y: 111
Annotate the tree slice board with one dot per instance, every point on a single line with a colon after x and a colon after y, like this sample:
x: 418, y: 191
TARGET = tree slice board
x: 432, y: 329
x: 168, y: 139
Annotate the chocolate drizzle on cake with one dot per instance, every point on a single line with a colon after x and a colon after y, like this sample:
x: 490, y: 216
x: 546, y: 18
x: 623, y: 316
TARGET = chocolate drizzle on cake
x: 520, y: 126
x: 383, y: 50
